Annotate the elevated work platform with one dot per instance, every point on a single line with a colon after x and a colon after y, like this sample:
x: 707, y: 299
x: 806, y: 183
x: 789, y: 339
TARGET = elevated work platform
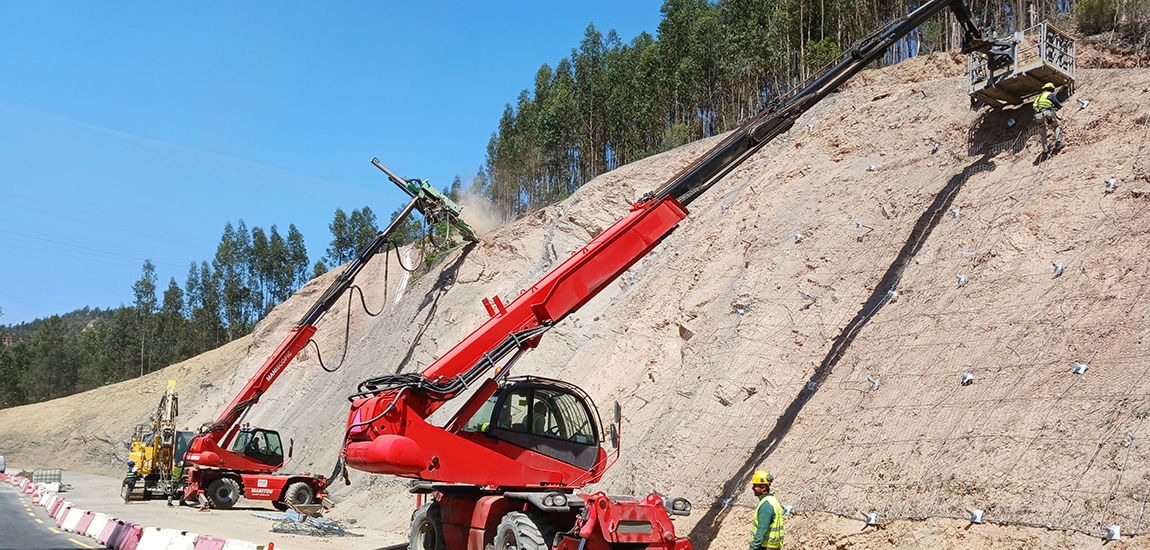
x: 1037, y: 55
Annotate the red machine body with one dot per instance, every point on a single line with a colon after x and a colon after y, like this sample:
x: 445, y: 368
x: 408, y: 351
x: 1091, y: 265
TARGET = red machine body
x: 399, y: 441
x: 228, y: 457
x: 491, y: 477
x: 505, y: 469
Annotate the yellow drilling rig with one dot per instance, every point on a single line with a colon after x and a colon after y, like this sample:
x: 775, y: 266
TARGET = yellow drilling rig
x: 156, y: 452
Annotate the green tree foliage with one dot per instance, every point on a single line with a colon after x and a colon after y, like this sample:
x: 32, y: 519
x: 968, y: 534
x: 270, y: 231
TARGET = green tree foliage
x: 170, y: 327
x: 340, y: 248
x: 711, y: 66
x: 297, y: 257
x: 455, y: 190
x: 1130, y: 19
x: 14, y: 361
x: 220, y: 301
x: 821, y: 53
x: 230, y: 266
x: 282, y: 271
x: 408, y: 231
x: 259, y: 269
x: 53, y: 369
x: 145, y: 291
x: 361, y: 227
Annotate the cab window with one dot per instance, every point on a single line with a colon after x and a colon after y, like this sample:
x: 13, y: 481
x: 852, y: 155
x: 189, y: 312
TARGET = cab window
x: 548, y: 413
x: 261, y: 445
x: 481, y: 421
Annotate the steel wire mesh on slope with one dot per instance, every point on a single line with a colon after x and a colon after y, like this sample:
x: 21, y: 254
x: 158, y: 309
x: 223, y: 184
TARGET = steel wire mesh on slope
x: 1029, y: 442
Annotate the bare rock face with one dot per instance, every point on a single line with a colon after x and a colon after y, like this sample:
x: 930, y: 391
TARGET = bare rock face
x: 833, y: 360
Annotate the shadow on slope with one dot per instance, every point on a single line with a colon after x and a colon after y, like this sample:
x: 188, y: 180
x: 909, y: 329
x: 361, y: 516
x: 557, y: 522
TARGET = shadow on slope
x: 446, y: 279
x: 706, y: 529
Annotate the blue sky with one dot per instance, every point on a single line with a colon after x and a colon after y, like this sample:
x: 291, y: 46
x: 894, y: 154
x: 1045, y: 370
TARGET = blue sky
x: 136, y: 130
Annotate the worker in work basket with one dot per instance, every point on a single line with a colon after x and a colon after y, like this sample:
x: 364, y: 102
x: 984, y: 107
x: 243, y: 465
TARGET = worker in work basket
x: 1044, y: 106
x: 767, y: 526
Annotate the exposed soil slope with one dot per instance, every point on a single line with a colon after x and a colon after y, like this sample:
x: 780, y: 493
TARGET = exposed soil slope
x: 711, y: 343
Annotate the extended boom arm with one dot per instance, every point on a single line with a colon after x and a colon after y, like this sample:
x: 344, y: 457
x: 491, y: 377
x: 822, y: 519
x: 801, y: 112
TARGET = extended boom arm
x: 425, y: 198
x: 387, y: 427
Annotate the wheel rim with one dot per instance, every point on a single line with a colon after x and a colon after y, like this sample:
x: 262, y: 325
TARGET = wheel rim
x: 223, y: 494
x: 426, y: 536
x: 508, y: 542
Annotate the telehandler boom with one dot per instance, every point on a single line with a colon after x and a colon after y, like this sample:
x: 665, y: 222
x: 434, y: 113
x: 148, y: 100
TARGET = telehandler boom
x: 229, y: 458
x: 505, y: 469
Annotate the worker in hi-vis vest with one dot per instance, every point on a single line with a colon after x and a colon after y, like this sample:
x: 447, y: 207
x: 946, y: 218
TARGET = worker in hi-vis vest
x: 767, y: 527
x: 1044, y: 106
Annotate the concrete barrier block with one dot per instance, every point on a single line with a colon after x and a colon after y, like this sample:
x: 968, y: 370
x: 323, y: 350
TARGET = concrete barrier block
x: 210, y: 543
x: 96, y: 526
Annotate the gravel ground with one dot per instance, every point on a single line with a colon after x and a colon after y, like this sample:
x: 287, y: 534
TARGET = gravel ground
x: 101, y: 494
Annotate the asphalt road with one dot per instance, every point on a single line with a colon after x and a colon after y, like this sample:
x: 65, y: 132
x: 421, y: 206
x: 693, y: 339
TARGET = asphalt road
x: 27, y: 527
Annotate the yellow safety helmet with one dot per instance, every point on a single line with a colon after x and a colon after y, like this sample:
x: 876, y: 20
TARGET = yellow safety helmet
x: 1048, y: 86
x: 762, y: 478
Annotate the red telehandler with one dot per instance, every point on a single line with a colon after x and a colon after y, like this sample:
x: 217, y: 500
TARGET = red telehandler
x: 229, y: 458
x: 504, y: 470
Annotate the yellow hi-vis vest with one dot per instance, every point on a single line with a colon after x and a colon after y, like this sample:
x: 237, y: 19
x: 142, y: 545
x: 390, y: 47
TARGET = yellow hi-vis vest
x: 1042, y: 102
x: 774, y: 537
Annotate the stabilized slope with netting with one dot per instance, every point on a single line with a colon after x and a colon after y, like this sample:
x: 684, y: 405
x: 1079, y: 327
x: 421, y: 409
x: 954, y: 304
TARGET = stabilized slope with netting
x: 813, y: 316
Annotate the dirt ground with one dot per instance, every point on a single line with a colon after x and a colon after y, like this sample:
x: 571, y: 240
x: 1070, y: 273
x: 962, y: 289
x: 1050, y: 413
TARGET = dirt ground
x: 812, y: 316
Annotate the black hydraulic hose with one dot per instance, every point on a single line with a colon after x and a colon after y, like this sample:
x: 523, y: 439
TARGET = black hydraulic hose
x: 442, y: 389
x: 341, y: 284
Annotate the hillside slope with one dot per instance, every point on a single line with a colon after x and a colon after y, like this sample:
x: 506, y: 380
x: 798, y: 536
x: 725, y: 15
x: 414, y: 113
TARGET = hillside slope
x: 711, y: 343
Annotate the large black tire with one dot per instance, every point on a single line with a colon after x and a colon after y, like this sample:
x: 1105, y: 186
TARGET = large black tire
x: 518, y: 531
x: 224, y: 493
x: 279, y: 505
x: 426, y: 529
x: 298, y: 493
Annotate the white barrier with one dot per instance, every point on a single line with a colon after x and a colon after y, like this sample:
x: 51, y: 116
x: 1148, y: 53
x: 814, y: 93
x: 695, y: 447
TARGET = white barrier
x: 97, y: 525
x: 62, y: 513
x: 72, y: 520
x: 155, y: 538
x: 94, y: 524
x: 183, y: 541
